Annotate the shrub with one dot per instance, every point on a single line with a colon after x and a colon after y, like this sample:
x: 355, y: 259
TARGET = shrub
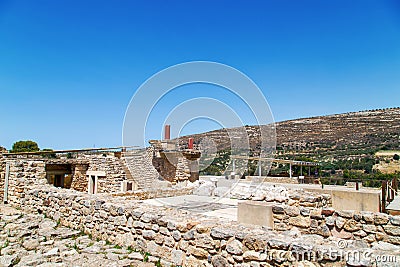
x: 25, y: 146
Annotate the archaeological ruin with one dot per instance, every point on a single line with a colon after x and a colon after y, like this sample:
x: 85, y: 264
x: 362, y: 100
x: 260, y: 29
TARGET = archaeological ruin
x: 153, y: 204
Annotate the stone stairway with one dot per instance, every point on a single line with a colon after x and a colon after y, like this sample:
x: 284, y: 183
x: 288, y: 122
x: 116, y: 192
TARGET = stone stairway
x: 139, y: 168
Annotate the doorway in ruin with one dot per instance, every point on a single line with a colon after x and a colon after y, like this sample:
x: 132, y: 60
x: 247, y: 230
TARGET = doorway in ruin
x: 59, y: 175
x: 93, y: 180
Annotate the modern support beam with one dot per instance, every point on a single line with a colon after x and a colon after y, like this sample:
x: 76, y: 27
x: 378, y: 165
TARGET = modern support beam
x: 290, y: 170
x: 259, y: 169
x: 233, y: 165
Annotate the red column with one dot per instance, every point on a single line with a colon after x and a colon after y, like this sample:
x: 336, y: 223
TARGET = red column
x: 190, y: 146
x: 167, y: 132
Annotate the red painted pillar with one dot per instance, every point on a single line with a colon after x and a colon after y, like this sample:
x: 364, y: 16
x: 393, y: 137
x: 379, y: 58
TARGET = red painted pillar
x: 167, y: 132
x: 190, y: 146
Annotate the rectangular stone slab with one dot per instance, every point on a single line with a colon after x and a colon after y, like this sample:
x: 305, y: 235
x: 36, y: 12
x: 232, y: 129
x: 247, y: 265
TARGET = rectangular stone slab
x: 255, y: 212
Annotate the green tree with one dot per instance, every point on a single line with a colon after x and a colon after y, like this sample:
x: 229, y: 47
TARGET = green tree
x: 49, y: 155
x: 25, y: 146
x: 396, y: 157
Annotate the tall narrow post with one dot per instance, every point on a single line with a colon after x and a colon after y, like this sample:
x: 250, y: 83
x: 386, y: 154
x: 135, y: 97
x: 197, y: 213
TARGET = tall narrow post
x: 383, y: 208
x: 290, y: 170
x: 190, y: 145
x: 233, y: 165
x: 167, y: 132
x: 5, y: 198
x: 259, y: 168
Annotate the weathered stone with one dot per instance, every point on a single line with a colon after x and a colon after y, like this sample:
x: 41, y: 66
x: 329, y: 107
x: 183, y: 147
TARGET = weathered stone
x: 198, y: 252
x: 176, y: 235
x: 138, y: 224
x: 204, y: 241
x: 222, y: 233
x: 292, y: 211
x: 256, y: 242
x: 369, y: 228
x: 189, y: 235
x: 9, y: 260
x: 348, y: 214
x: 367, y: 216
x: 52, y: 252
x: 360, y: 233
x: 341, y: 234
x: 278, y: 209
x: 135, y: 256
x: 305, y: 212
x: 370, y: 238
x: 177, y: 257
x: 327, y: 211
x: 234, y: 247
x: 381, y: 218
x: 300, y: 221
x: 278, y: 244
x: 30, y: 244
x: 392, y: 230
x: 219, y: 261
x: 384, y: 246
x: 323, y: 231
x: 352, y: 226
x: 169, y: 241
x: 357, y: 216
x: 148, y: 234
x: 395, y: 220
x: 251, y: 255
x: 339, y: 222
x: 201, y: 228
x: 316, y: 214
x: 330, y: 221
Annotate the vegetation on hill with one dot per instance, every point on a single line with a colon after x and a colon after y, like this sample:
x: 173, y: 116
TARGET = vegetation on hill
x: 344, y: 144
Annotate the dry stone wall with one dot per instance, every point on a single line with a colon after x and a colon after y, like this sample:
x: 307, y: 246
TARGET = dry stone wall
x: 113, y: 168
x: 156, y: 193
x: 366, y: 226
x: 179, y: 238
x: 24, y: 173
x: 2, y: 176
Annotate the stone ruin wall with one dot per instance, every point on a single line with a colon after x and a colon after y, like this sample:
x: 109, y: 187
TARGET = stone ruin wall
x: 27, y: 172
x: 23, y: 174
x: 310, y: 214
x: 366, y: 226
x: 170, y: 172
x: 182, y: 239
x: 155, y: 193
x: 112, y: 166
x: 2, y: 177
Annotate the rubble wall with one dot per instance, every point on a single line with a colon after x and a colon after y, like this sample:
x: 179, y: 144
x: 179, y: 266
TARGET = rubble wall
x: 2, y: 177
x: 155, y: 193
x: 181, y: 238
x: 24, y: 173
x: 114, y: 169
x: 347, y: 224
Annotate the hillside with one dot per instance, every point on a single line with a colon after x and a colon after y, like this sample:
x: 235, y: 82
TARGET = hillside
x: 341, y: 141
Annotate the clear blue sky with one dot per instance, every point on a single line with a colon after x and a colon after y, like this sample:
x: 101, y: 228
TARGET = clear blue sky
x: 69, y: 68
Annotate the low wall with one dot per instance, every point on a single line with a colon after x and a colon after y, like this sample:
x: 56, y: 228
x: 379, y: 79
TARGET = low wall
x: 156, y: 193
x: 347, y: 199
x: 347, y: 224
x: 176, y: 236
